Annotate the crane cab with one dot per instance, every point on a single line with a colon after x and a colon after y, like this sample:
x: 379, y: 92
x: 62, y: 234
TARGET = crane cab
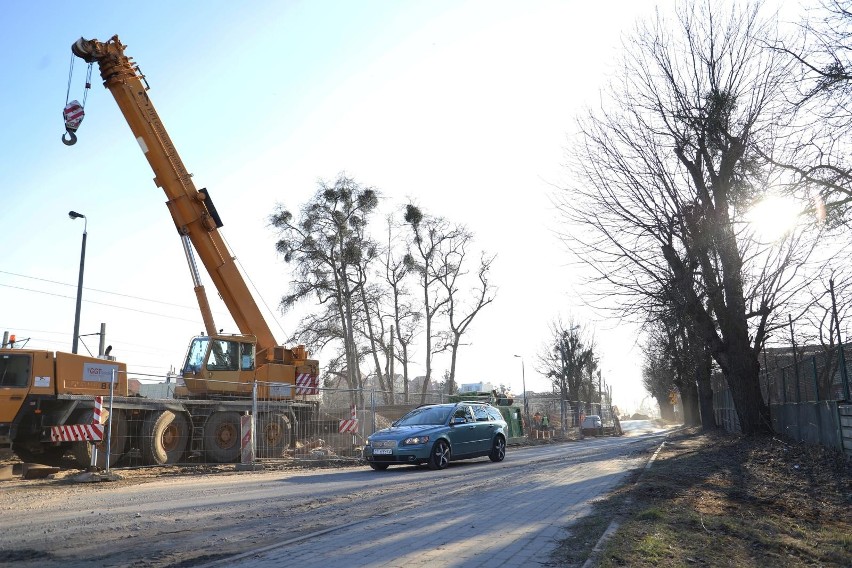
x: 220, y: 364
x: 230, y: 364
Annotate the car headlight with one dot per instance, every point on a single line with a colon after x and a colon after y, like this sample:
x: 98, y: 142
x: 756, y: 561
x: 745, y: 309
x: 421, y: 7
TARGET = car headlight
x: 415, y: 440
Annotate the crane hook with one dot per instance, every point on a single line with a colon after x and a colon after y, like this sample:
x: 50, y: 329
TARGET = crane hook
x: 72, y: 138
x: 73, y: 115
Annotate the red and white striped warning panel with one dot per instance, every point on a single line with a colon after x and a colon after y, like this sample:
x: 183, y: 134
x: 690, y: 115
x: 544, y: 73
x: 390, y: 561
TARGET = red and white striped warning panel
x: 307, y: 384
x: 73, y: 114
x: 350, y: 425
x: 98, y: 416
x: 77, y: 433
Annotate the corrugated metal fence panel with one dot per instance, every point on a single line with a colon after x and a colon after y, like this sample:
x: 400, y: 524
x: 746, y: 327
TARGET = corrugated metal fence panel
x: 844, y: 412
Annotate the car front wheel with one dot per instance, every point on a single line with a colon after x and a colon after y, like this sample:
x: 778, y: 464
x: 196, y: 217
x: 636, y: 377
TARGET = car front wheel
x: 440, y: 456
x: 498, y: 449
x: 379, y: 466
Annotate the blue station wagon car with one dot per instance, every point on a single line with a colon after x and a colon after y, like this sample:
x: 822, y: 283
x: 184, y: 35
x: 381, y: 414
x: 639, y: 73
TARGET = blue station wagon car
x: 436, y: 434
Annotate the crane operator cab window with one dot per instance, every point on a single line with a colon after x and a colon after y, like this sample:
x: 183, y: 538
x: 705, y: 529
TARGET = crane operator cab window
x: 247, y: 356
x: 195, y: 355
x: 224, y: 355
x: 220, y: 354
x: 14, y: 371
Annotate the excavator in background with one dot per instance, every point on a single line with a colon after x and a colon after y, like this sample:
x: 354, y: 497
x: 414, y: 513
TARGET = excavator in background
x: 41, y: 389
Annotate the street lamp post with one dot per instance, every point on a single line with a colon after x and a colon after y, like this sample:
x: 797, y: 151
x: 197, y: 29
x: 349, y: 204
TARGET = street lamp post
x: 75, y: 215
x: 524, y: 386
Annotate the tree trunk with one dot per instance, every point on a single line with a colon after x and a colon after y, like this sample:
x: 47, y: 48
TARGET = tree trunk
x: 666, y: 409
x: 689, y: 403
x: 451, y: 379
x: 703, y: 368
x: 742, y: 376
x: 703, y: 374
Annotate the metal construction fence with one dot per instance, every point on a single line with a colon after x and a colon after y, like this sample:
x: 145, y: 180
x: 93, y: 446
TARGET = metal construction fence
x: 159, y: 428
x: 813, y: 377
x: 563, y: 417
x: 322, y: 424
x: 805, y: 394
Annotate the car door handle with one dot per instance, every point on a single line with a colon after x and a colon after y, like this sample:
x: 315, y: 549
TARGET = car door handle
x: 472, y: 426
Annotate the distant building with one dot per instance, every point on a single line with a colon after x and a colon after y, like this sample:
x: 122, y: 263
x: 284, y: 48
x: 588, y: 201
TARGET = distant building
x: 476, y: 387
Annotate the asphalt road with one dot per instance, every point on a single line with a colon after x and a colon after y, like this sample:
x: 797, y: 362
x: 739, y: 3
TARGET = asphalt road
x: 474, y: 513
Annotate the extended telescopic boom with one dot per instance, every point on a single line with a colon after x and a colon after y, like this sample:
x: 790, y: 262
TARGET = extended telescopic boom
x: 192, y: 210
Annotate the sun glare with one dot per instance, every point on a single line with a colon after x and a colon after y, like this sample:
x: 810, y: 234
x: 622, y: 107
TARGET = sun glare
x: 773, y: 217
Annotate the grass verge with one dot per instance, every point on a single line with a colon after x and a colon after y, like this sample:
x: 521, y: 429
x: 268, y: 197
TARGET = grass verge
x: 711, y: 499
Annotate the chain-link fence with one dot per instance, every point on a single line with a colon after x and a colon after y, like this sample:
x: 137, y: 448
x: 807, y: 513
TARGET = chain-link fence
x: 552, y: 416
x: 164, y: 425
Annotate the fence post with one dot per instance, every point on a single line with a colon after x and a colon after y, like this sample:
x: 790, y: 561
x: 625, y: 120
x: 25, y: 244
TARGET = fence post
x: 816, y: 383
x: 254, y: 422
x: 844, y: 377
x: 817, y: 408
x: 109, y: 421
x: 795, y: 360
x: 373, y: 411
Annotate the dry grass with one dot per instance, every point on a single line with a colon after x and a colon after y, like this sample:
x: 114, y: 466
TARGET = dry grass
x: 717, y: 500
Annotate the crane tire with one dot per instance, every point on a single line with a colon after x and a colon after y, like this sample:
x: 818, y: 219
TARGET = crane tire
x: 273, y: 435
x: 164, y: 436
x: 222, y: 437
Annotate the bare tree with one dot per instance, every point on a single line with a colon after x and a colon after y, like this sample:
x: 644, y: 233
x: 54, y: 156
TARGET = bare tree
x: 567, y: 358
x: 670, y: 335
x: 428, y: 237
x: 406, y: 320
x: 330, y: 249
x: 658, y: 376
x: 373, y: 330
x: 670, y: 171
x: 820, y: 118
x: 460, y: 314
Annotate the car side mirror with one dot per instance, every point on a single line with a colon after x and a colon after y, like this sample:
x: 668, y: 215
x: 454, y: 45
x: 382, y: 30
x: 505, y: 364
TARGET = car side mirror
x: 458, y: 420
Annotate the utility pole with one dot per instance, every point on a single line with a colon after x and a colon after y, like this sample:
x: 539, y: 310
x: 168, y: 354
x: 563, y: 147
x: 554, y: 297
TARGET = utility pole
x: 74, y: 215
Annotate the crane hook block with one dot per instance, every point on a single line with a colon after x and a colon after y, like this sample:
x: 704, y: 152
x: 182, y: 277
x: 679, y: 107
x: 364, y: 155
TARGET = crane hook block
x: 73, y: 114
x: 71, y: 140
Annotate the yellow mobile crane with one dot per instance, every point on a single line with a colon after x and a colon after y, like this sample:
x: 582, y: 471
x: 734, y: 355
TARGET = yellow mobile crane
x: 39, y: 389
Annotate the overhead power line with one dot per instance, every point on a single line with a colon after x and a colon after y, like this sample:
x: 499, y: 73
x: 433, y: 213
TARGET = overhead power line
x: 100, y: 303
x: 92, y: 290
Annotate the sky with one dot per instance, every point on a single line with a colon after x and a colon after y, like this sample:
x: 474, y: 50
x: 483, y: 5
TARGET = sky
x: 463, y: 107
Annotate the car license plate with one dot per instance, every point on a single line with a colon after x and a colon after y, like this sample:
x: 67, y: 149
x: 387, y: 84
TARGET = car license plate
x: 382, y: 452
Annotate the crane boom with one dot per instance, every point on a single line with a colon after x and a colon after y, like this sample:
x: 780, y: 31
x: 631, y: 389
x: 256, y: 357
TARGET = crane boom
x: 224, y: 375
x: 192, y: 210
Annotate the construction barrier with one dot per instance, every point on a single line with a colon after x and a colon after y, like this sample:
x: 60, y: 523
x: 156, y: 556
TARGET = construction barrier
x: 99, y: 416
x: 247, y: 433
x: 350, y: 425
x: 307, y: 384
x: 93, y: 432
x: 77, y: 433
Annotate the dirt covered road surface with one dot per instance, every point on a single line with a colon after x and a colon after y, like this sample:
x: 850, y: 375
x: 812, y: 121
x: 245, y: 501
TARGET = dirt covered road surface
x: 518, y: 508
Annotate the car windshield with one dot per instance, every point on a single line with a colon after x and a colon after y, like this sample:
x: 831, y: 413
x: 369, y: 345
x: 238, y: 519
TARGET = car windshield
x: 425, y: 415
